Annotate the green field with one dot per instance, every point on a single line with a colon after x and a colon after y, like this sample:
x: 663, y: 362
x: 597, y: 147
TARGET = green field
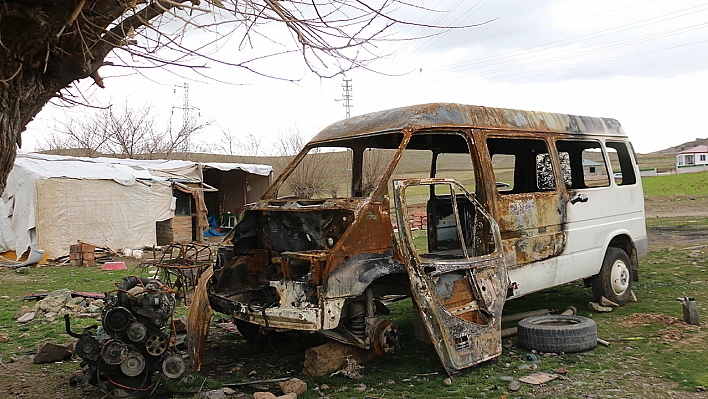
x: 671, y: 185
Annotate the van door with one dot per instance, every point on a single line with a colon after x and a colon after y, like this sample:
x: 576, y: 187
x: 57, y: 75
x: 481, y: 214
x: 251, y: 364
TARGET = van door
x: 605, y: 203
x: 529, y: 207
x: 459, y: 289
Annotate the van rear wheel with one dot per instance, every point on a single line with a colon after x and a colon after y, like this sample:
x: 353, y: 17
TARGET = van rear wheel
x: 614, y: 281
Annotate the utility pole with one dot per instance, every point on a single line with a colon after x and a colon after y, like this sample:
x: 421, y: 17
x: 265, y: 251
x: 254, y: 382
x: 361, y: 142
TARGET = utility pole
x: 347, y: 96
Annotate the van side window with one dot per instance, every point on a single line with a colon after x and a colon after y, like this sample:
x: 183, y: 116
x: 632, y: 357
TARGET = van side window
x: 521, y: 165
x: 622, y: 168
x: 582, y: 164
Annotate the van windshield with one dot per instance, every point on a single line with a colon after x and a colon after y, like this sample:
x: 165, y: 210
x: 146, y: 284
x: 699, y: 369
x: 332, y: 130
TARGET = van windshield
x: 354, y: 167
x: 344, y: 169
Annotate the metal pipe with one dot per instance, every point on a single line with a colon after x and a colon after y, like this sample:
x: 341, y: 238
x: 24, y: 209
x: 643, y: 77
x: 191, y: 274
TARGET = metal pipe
x: 508, y: 332
x: 523, y: 315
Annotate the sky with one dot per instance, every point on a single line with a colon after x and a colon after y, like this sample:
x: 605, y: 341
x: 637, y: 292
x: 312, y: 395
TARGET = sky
x: 642, y: 62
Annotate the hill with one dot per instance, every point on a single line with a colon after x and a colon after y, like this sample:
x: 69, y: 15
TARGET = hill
x: 675, y: 150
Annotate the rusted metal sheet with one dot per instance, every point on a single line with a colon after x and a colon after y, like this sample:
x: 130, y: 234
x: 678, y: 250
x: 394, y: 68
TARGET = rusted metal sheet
x: 531, y: 226
x: 459, y: 115
x: 200, y: 314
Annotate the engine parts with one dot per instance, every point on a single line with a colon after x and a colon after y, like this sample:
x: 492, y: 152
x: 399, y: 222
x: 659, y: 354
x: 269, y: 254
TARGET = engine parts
x: 127, y: 354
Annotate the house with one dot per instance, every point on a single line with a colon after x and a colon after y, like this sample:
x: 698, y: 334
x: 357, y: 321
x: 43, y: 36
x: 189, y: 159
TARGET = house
x: 53, y: 201
x: 694, y: 159
x: 592, y: 168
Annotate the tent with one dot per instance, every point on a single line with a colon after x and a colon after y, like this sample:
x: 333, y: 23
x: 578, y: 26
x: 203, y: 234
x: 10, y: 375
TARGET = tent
x: 52, y: 201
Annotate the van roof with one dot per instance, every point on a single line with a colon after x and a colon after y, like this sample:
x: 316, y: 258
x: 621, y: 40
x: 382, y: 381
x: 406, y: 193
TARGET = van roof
x: 460, y: 115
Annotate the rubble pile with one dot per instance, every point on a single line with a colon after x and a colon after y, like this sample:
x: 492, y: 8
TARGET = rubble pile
x: 58, y: 303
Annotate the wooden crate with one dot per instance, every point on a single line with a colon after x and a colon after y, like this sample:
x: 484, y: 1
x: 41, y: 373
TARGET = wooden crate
x: 177, y: 229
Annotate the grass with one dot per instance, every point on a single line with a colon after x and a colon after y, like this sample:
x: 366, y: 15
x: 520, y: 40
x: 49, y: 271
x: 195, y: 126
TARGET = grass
x: 672, y: 185
x: 667, y: 345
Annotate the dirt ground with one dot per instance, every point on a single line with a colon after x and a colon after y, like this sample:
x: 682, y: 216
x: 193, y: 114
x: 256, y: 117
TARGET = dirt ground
x: 22, y: 379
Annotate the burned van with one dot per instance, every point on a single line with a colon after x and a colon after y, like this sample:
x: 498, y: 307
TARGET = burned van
x: 461, y: 207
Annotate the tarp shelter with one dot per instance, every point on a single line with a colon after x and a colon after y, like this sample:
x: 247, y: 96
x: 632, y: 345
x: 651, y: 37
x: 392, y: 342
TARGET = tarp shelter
x: 52, y: 201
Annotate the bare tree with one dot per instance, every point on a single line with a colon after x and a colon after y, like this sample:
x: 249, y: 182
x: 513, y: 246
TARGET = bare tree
x: 246, y: 150
x: 129, y: 131
x: 84, y: 137
x: 46, y: 46
x: 312, y: 177
x: 374, y: 166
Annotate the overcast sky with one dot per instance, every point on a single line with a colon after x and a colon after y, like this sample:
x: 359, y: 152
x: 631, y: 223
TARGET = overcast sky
x: 642, y: 62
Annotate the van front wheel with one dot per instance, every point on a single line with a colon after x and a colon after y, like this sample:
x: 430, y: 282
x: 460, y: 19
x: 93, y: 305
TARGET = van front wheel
x: 614, y: 281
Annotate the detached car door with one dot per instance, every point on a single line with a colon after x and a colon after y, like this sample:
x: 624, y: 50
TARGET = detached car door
x: 459, y: 290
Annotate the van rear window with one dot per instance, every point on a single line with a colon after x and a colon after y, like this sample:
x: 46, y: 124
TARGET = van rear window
x: 583, y: 164
x: 521, y: 165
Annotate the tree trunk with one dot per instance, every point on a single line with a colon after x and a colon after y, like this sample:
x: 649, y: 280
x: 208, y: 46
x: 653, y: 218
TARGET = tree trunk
x: 20, y: 100
x: 45, y: 45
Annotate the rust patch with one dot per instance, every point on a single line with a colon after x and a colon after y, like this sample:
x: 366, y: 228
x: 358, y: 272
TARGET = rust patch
x: 200, y: 314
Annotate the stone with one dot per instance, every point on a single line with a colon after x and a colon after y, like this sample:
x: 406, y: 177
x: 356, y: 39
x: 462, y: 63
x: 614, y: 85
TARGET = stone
x: 447, y: 381
x: 325, y: 386
x: 26, y: 317
x: 228, y: 391
x: 180, y: 325
x: 213, y: 394
x: 4, y: 337
x: 700, y: 388
x: 336, y: 356
x: 295, y: 385
x: 291, y: 395
x: 360, y: 388
x: 253, y: 373
x: 514, y: 386
x: 21, y: 311
x: 55, y: 301
x: 263, y: 395
x: 507, y: 378
x: 22, y: 270
x: 606, y: 302
x: 594, y: 306
x: 632, y: 296
x: 50, y: 352
x: 528, y: 366
x: 390, y: 383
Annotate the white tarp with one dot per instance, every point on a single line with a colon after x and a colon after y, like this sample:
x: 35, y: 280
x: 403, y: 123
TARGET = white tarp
x: 262, y: 170
x: 52, y: 201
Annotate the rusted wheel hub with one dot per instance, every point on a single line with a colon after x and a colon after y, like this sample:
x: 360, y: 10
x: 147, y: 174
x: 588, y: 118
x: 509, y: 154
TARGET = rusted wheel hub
x: 385, y: 337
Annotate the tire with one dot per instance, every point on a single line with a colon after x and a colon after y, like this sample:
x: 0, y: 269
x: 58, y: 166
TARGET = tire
x: 557, y: 333
x: 614, y: 281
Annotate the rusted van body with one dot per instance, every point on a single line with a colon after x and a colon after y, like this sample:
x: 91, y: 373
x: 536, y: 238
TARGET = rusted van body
x: 509, y: 202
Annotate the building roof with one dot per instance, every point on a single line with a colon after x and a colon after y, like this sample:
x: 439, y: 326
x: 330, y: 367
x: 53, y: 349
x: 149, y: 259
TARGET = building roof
x: 123, y: 171
x: 696, y: 149
x: 590, y: 162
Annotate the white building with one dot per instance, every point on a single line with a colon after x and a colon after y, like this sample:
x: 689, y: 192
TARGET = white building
x: 692, y: 160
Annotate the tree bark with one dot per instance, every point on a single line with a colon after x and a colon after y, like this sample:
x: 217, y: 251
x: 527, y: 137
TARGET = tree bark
x: 45, y: 45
